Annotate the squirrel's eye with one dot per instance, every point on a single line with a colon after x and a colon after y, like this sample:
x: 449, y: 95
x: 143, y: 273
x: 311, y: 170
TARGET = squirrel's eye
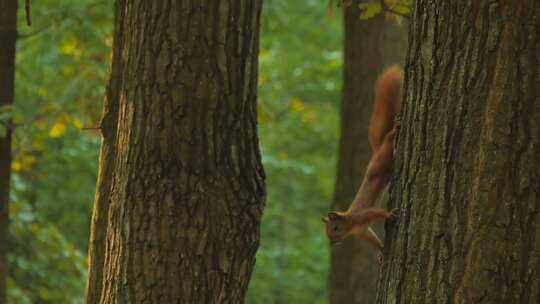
x: 335, y: 227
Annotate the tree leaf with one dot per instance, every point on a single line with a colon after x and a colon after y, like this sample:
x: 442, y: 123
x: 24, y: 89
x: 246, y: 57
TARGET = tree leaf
x: 58, y: 129
x: 369, y: 9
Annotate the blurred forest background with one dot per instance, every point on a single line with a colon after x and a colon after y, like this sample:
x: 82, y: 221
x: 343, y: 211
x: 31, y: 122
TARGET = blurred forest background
x: 62, y: 66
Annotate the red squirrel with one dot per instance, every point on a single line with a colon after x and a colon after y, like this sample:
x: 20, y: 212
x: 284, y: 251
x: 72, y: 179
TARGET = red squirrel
x: 382, y: 130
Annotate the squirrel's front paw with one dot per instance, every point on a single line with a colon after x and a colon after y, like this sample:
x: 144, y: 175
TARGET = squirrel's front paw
x: 397, y: 122
x: 393, y: 214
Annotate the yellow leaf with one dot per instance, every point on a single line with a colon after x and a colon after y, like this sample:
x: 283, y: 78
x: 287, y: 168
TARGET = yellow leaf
x: 297, y: 105
x: 58, y: 129
x: 16, y: 165
x: 77, y: 123
x: 369, y: 9
x: 109, y: 40
x: 71, y: 47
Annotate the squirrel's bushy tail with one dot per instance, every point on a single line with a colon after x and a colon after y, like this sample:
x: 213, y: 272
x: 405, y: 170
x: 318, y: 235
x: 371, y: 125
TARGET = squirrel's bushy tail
x: 386, y: 105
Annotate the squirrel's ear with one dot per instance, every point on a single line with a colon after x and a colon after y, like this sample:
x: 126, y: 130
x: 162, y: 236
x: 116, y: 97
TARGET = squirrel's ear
x: 324, y: 219
x: 334, y: 215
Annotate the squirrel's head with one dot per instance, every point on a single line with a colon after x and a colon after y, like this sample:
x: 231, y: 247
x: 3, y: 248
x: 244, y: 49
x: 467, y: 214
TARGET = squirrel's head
x: 338, y: 226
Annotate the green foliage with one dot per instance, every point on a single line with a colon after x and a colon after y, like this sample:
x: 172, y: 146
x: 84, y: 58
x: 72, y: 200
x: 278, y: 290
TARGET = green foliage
x: 45, y: 266
x: 391, y: 8
x: 300, y: 73
x: 61, y: 70
x: 370, y: 9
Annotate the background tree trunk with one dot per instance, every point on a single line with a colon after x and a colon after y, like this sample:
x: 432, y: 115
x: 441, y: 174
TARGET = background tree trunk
x: 8, y: 37
x: 468, y: 179
x: 370, y: 46
x: 181, y: 186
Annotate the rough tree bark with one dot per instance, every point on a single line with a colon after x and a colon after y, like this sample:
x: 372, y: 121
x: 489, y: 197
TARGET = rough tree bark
x: 370, y: 46
x: 467, y: 173
x: 8, y: 37
x: 181, y: 186
x: 107, y: 156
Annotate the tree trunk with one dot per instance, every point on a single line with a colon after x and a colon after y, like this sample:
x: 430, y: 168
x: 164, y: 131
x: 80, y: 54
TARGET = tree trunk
x: 107, y: 156
x: 370, y: 46
x: 181, y: 185
x: 467, y: 173
x: 8, y: 37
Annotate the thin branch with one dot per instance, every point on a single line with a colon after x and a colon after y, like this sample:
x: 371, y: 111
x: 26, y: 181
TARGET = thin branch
x: 91, y: 128
x: 27, y: 10
x: 41, y: 30
x: 385, y: 7
x: 330, y: 8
